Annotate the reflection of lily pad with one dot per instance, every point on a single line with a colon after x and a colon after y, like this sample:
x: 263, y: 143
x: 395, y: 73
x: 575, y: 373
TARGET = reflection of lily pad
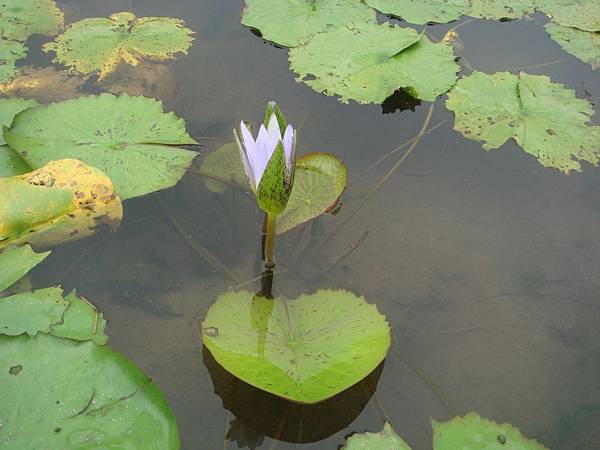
x: 11, y: 163
x: 305, y: 350
x: 223, y: 167
x: 423, y: 11
x: 544, y: 118
x: 582, y: 14
x: 10, y: 52
x: 286, y: 22
x: 99, y: 44
x: 130, y: 139
x: 15, y: 262
x: 64, y: 200
x: 369, y: 62
x: 319, y: 182
x: 19, y: 19
x: 44, y: 84
x: 473, y: 431
x: 386, y: 439
x: 585, y: 45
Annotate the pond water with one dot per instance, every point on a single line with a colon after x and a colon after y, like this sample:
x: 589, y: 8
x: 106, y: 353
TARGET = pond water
x: 486, y: 264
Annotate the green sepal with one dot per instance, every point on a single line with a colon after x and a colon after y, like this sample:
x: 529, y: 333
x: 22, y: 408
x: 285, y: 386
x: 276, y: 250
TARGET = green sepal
x: 273, y: 108
x: 273, y: 191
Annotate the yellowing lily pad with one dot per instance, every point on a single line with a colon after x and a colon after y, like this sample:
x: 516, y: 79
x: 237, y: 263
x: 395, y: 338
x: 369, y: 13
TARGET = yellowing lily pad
x: 131, y: 139
x: 477, y: 433
x: 19, y: 19
x: 15, y: 262
x: 386, y: 439
x: 585, y: 45
x: 64, y: 200
x: 305, y: 350
x: 287, y: 22
x: 97, y: 45
x: 423, y: 11
x: 319, y: 182
x: 368, y: 62
x: 544, y: 118
x: 11, y: 163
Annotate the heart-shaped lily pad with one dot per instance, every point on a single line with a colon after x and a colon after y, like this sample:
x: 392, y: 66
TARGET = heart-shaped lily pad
x: 131, y: 139
x: 305, y: 350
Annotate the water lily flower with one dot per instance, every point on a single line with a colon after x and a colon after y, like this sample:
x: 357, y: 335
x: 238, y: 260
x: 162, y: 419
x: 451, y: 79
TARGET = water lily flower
x: 269, y: 160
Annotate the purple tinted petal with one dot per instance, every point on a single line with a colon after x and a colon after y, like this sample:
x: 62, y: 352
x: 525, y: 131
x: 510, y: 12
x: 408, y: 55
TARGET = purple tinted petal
x: 249, y: 144
x: 262, y: 153
x: 248, y: 170
x: 273, y: 127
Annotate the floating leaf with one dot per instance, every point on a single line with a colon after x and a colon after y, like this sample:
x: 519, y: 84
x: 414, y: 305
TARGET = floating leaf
x: 585, y: 45
x: 582, y: 14
x: 544, y: 118
x: 305, y: 350
x: 131, y: 139
x: 502, y: 9
x: 10, y: 52
x: 99, y: 44
x: 386, y: 439
x: 15, y: 262
x: 81, y: 321
x: 423, y: 11
x: 19, y: 19
x: 475, y: 432
x: 11, y: 163
x: 369, y: 62
x: 64, y: 200
x: 10, y: 107
x: 44, y: 84
x: 223, y: 167
x: 287, y: 22
x: 319, y: 182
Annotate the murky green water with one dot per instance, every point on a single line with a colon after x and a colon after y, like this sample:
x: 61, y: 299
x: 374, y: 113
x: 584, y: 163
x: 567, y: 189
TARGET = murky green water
x: 486, y: 265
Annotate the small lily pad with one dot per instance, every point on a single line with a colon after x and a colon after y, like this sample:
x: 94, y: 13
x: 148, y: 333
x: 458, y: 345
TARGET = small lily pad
x: 544, y: 118
x: 423, y: 11
x: 15, y: 262
x: 386, y: 439
x: 319, y: 182
x: 585, y: 45
x: 64, y: 200
x: 475, y: 432
x: 305, y: 350
x: 223, y: 167
x: 10, y: 53
x: 369, y: 62
x: 287, y: 22
x: 582, y: 14
x: 19, y: 19
x: 131, y: 139
x: 98, y: 45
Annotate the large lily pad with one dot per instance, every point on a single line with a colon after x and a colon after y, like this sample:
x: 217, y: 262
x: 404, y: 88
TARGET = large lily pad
x: 97, y: 45
x: 10, y: 52
x: 502, y: 9
x: 11, y: 163
x: 15, y: 262
x: 423, y: 11
x: 369, y: 62
x: 386, y: 439
x: 305, y: 350
x: 585, y: 45
x: 19, y: 19
x: 287, y: 22
x: 64, y: 200
x: 582, y: 14
x: 319, y: 182
x: 131, y: 139
x: 475, y: 432
x: 544, y: 118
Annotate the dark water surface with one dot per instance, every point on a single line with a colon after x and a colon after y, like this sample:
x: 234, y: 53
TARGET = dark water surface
x: 486, y: 264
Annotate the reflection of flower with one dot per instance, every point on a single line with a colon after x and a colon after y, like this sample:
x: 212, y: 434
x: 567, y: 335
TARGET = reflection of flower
x: 269, y: 161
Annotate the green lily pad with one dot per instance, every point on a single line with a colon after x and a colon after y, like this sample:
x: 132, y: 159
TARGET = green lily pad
x: 544, y: 118
x: 585, y: 45
x: 32, y: 312
x: 11, y: 163
x: 319, y: 182
x: 502, y: 9
x: 81, y: 321
x: 369, y: 62
x: 582, y: 14
x: 97, y: 45
x: 131, y: 139
x: 19, y: 19
x: 222, y: 168
x: 60, y: 393
x: 305, y: 350
x: 10, y: 52
x: 287, y: 22
x: 386, y: 439
x: 64, y: 200
x: 423, y: 11
x: 15, y: 262
x: 477, y: 433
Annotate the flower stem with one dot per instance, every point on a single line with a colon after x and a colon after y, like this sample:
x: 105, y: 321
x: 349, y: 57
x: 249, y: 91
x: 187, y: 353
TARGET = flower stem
x: 269, y: 246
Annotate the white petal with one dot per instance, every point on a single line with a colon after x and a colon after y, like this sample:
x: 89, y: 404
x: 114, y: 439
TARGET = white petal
x: 273, y: 127
x: 248, y: 170
x: 262, y: 154
x: 289, y: 142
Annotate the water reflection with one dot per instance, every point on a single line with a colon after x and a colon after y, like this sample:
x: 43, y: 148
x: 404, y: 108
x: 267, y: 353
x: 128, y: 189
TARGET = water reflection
x: 268, y: 415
